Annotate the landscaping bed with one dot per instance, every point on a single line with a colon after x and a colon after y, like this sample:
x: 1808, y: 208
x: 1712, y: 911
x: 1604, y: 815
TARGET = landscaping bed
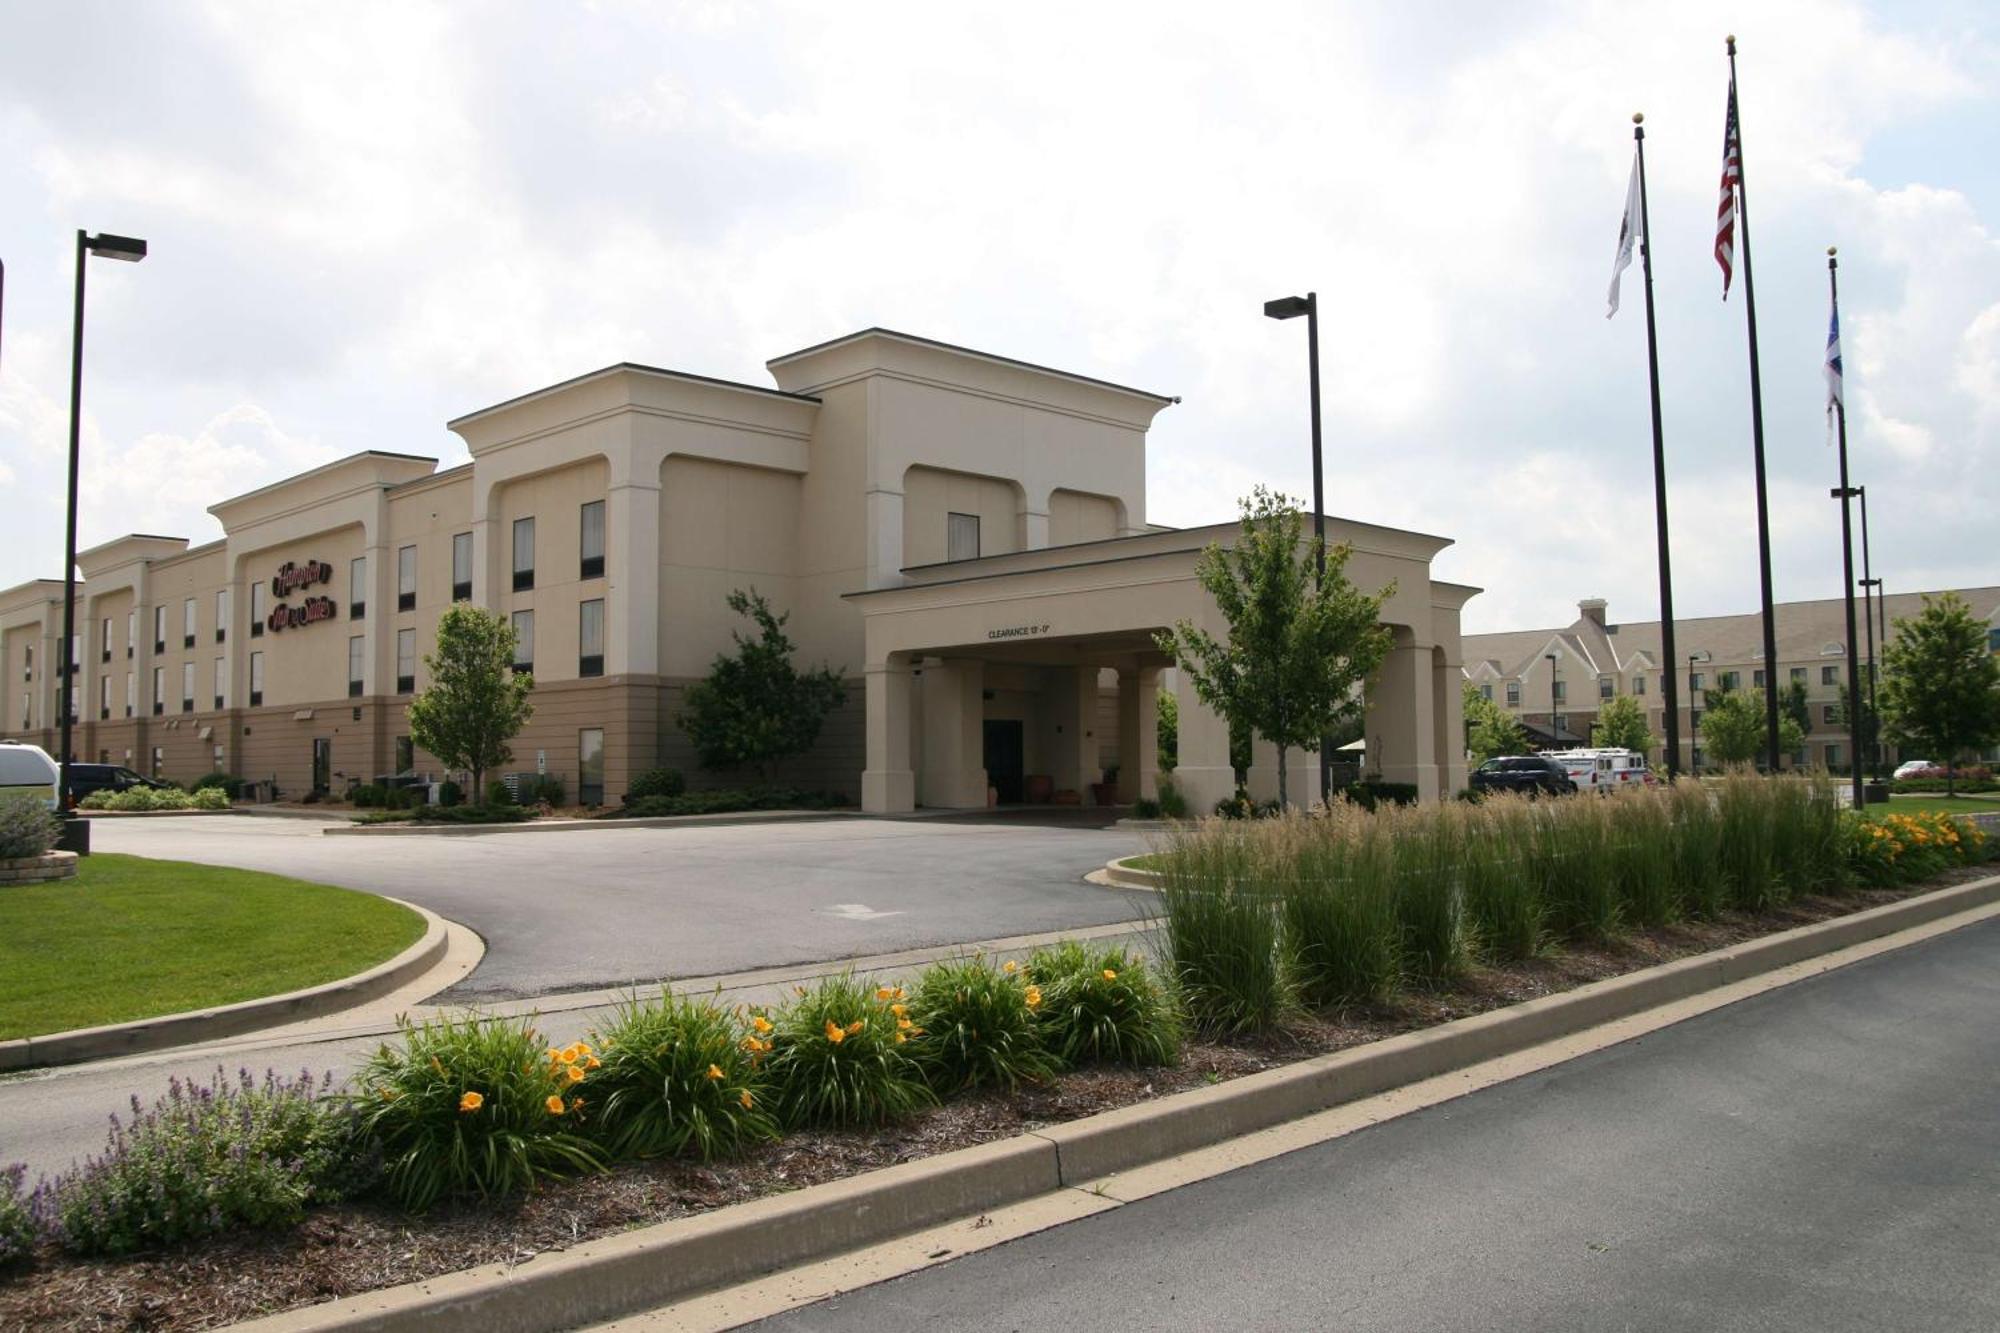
x: 344, y: 1249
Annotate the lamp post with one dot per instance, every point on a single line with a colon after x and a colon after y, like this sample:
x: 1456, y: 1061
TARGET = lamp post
x: 1870, y: 602
x: 1694, y: 731
x: 129, y: 250
x: 1555, y: 691
x: 1291, y: 307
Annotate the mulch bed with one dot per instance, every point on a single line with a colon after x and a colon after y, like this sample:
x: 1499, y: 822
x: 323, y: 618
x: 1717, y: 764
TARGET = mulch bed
x: 352, y: 1248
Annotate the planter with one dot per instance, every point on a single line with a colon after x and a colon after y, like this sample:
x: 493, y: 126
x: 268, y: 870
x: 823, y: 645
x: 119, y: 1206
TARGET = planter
x: 1038, y: 787
x: 1104, y: 793
x: 1067, y: 796
x: 1875, y: 793
x: 37, y: 869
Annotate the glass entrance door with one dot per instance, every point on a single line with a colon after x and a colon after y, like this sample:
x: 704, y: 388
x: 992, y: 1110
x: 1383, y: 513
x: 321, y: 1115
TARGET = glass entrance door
x: 322, y: 778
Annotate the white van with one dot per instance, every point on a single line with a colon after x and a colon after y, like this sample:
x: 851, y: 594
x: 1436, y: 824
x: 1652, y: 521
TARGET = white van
x: 28, y: 770
x: 1604, y: 768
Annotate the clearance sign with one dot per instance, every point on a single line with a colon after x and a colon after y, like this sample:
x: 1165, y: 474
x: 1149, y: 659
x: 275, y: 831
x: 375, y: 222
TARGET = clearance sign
x: 292, y: 578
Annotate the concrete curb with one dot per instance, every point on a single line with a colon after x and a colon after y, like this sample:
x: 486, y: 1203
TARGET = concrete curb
x: 147, y: 814
x: 619, y: 1275
x: 584, y: 825
x: 230, y: 1020
x: 1122, y: 873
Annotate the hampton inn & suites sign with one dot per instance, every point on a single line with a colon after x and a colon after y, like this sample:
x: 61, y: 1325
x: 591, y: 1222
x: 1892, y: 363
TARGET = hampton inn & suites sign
x: 292, y: 578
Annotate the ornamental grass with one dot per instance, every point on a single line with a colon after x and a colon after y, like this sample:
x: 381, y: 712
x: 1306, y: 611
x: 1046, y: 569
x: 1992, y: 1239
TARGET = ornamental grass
x: 476, y: 1106
x: 1340, y: 909
x: 841, y: 1057
x: 682, y: 1077
x: 1219, y: 893
x: 977, y: 1024
x: 1103, y: 1006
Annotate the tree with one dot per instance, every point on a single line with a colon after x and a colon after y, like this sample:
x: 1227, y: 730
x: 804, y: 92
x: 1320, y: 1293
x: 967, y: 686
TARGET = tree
x: 756, y: 707
x: 1489, y: 730
x: 1793, y: 703
x: 1871, y: 725
x: 1940, y: 689
x: 476, y: 702
x: 1167, y: 729
x: 1622, y: 724
x: 1733, y: 728
x: 1296, y: 650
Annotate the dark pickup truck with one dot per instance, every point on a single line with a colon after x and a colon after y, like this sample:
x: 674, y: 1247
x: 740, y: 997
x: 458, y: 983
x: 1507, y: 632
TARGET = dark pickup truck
x: 1529, y: 773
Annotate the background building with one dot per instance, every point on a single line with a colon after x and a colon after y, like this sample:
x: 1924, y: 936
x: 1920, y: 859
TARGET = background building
x: 1593, y: 660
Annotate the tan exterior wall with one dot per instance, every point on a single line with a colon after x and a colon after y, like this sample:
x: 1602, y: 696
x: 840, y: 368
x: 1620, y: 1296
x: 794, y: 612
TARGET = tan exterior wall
x: 1076, y: 517
x: 555, y: 500
x: 929, y: 494
x: 722, y: 527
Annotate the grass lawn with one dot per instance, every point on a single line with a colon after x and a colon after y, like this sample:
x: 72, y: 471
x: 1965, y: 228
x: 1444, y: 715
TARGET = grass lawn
x: 1987, y: 803
x: 134, y: 938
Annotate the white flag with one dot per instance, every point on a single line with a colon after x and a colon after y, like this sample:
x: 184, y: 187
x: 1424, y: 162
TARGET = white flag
x: 1628, y: 232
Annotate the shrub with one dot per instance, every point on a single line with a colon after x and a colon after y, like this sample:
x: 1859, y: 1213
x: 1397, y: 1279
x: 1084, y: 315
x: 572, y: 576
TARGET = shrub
x: 497, y: 793
x: 681, y: 1078
x: 475, y: 1105
x: 450, y: 794
x: 472, y: 814
x: 1430, y: 907
x: 27, y: 828
x: 19, y: 1229
x: 1103, y: 1007
x: 369, y: 795
x: 839, y: 1057
x: 1339, y: 907
x: 1145, y: 808
x: 1222, y: 932
x: 1576, y: 860
x: 232, y: 786
x: 978, y: 1026
x: 211, y: 1158
x: 1749, y: 865
x: 547, y: 789
x: 1642, y: 857
x: 209, y: 798
x: 723, y: 800
x: 1373, y: 792
x: 1896, y: 849
x: 655, y: 782
x: 1503, y: 886
x: 1173, y: 805
x: 140, y: 798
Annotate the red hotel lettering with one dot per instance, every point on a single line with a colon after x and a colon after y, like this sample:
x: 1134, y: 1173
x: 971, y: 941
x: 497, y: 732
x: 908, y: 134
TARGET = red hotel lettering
x: 309, y: 612
x: 290, y: 577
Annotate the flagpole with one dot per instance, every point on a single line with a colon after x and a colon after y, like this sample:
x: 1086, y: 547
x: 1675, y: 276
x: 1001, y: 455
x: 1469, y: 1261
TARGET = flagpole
x: 1846, y: 494
x: 1669, y: 684
x: 1757, y: 438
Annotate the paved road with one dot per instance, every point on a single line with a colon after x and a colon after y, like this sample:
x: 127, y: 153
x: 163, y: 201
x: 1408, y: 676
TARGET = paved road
x: 580, y: 911
x: 1826, y: 1156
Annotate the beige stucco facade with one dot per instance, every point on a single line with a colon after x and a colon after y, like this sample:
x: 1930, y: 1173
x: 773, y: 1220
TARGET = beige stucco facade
x: 963, y: 536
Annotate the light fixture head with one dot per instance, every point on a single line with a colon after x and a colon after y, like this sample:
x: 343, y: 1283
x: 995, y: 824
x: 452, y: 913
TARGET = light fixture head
x: 1287, y: 307
x: 129, y: 249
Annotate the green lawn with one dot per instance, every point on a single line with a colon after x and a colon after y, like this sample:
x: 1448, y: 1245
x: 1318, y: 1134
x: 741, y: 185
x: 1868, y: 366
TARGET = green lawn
x: 1987, y: 803
x: 133, y: 938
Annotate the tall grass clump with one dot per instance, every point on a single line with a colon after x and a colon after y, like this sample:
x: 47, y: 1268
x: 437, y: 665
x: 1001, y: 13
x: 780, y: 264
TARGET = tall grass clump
x: 475, y: 1106
x: 1103, y: 1006
x: 1503, y: 899
x: 1219, y: 900
x: 682, y: 1077
x: 1428, y: 847
x: 1338, y: 908
x: 1806, y: 844
x: 1746, y: 803
x: 1698, y: 870
x: 1643, y: 852
x: 841, y: 1057
x: 1578, y: 862
x: 979, y: 1026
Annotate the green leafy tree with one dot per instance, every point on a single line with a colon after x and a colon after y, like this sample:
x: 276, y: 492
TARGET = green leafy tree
x: 1489, y: 730
x: 1792, y: 703
x: 476, y: 702
x: 1167, y: 729
x: 1871, y: 724
x: 1622, y: 723
x: 1732, y: 728
x: 1296, y: 652
x: 1940, y: 689
x: 756, y: 707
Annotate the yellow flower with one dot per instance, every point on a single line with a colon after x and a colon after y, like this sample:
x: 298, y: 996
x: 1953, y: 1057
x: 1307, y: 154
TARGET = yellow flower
x: 1110, y: 975
x: 835, y: 1033
x: 903, y: 1025
x: 746, y: 1099
x: 902, y: 1037
x: 714, y: 1073
x: 899, y: 1009
x: 438, y: 1067
x: 1034, y: 996
x: 593, y: 1063
x: 856, y: 1026
x: 884, y: 993
x: 570, y: 1054
x: 1010, y: 967
x: 761, y: 1023
x: 576, y: 1104
x: 575, y: 1074
x: 470, y: 1101
x: 554, y: 1104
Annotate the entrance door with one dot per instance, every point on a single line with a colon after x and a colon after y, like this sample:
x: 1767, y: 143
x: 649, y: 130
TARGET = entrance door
x: 1003, y: 755
x: 322, y: 764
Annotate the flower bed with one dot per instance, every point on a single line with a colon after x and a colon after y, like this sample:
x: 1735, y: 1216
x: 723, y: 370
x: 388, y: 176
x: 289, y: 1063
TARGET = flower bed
x: 136, y: 800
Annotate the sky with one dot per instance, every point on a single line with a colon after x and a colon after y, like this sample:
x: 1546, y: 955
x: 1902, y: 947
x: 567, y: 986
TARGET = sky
x: 367, y: 219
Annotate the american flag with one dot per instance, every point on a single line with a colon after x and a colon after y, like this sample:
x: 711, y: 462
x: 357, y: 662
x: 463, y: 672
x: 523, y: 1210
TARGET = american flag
x: 1725, y: 211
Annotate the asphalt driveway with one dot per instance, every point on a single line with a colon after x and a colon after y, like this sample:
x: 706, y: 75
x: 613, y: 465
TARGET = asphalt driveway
x: 583, y: 910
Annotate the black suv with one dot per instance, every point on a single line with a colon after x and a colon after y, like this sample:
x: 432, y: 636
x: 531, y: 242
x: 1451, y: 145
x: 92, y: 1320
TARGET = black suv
x: 1530, y: 773
x: 87, y: 778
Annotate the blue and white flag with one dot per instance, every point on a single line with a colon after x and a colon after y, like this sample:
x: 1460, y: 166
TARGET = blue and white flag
x: 1833, y: 377
x: 1628, y: 232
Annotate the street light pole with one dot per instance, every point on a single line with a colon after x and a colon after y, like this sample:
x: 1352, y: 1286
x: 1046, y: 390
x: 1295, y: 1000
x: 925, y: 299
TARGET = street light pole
x: 1869, y: 601
x: 1694, y: 733
x: 1555, y: 717
x: 1291, y: 307
x: 130, y: 250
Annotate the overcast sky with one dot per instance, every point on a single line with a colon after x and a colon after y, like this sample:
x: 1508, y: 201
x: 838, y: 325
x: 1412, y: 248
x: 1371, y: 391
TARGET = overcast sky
x: 368, y: 219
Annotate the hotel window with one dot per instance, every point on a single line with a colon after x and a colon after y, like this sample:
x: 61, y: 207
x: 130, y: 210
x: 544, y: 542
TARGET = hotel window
x: 357, y: 657
x: 406, y: 661
x: 159, y: 629
x: 406, y: 754
x: 961, y: 536
x: 1605, y: 687
x: 27, y: 709
x: 1799, y: 675
x: 593, y: 540
x: 590, y: 766
x: 1513, y: 694
x: 1829, y: 675
x: 159, y: 690
x: 357, y: 588
x: 257, y: 613
x: 28, y: 667
x: 187, y: 623
x: 1561, y: 692
x: 131, y: 693
x: 1638, y: 684
x: 1695, y: 760
x: 524, y: 554
x: 461, y: 567
x: 221, y: 683
x: 1731, y: 679
x: 1696, y: 680
x: 1757, y: 678
x: 1833, y: 756
x: 187, y: 687
x: 131, y: 631
x: 222, y: 615
x: 256, y: 680
x: 590, y: 638
x: 159, y: 761
x: 76, y: 654
x: 104, y: 640
x: 1486, y: 692
x: 524, y: 642
x: 103, y: 698
x: 406, y: 578
x: 1694, y: 718
x: 1829, y: 714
